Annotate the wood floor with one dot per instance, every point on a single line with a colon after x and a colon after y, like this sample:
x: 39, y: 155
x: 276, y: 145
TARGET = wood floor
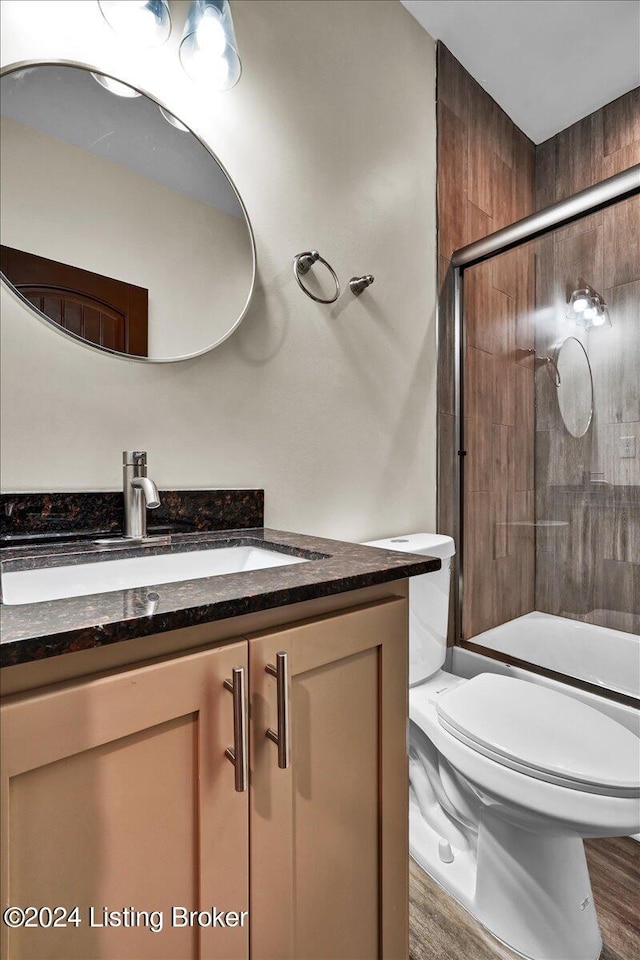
x: 440, y: 929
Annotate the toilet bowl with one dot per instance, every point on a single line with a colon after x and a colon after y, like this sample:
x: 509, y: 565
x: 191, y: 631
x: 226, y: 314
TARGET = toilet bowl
x: 506, y: 779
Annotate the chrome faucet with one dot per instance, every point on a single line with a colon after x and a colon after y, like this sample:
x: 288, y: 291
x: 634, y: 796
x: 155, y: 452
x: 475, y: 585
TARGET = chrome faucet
x: 140, y: 494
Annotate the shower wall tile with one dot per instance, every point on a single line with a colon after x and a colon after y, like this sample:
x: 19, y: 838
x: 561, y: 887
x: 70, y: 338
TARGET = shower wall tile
x: 580, y: 226
x: 622, y: 243
x: 524, y: 166
x: 453, y: 84
x: 452, y: 163
x: 525, y: 302
x: 446, y: 346
x: 477, y: 223
x: 616, y: 356
x: 621, y: 471
x: 622, y: 530
x: 621, y: 160
x: 579, y: 156
x: 524, y: 431
x: 486, y: 174
x: 446, y: 437
x: 446, y: 518
x: 504, y: 205
x: 479, y: 565
x: 478, y: 421
x: 504, y: 274
x: 545, y: 173
x: 480, y: 305
x: 500, y: 487
x: 578, y: 258
x: 617, y: 600
x: 546, y: 405
x: 621, y: 122
x: 503, y: 322
x: 483, y: 165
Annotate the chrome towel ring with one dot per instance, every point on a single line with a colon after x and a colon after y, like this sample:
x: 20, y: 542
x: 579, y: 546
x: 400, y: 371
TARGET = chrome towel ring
x: 302, y: 263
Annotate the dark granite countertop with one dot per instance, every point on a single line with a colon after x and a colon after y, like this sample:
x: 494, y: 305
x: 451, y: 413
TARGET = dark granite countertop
x: 35, y: 631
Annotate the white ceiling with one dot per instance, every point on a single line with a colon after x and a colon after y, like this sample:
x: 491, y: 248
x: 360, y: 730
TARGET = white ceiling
x: 547, y: 63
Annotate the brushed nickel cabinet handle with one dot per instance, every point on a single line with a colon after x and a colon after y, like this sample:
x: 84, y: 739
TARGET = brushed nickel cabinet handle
x: 281, y: 736
x: 238, y: 753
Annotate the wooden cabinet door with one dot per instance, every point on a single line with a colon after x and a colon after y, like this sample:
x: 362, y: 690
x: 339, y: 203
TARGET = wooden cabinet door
x: 329, y: 834
x: 118, y: 795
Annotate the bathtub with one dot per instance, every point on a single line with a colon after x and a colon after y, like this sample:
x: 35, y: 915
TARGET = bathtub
x: 598, y: 655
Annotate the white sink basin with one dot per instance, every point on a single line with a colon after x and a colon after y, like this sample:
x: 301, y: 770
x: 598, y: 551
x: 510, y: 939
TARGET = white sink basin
x: 79, y: 580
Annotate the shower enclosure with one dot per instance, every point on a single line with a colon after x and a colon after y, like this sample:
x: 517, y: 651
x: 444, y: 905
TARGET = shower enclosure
x: 547, y: 347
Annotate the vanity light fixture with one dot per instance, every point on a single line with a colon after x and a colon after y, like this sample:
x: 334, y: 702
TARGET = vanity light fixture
x: 115, y: 86
x: 588, y: 309
x: 208, y: 49
x: 147, y: 22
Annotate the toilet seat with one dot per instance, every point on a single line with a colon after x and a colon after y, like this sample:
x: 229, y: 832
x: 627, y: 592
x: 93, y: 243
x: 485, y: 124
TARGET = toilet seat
x: 542, y: 733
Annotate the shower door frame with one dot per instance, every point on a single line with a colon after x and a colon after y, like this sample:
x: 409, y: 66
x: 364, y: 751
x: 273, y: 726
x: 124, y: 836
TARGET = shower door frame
x: 619, y: 187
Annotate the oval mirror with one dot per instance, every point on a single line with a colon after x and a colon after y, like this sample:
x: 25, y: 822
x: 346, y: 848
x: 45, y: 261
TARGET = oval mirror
x: 575, y: 386
x: 119, y: 227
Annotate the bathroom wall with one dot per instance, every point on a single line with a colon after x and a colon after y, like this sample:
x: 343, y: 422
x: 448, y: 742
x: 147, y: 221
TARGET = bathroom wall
x: 486, y: 181
x: 331, y: 142
x: 590, y: 567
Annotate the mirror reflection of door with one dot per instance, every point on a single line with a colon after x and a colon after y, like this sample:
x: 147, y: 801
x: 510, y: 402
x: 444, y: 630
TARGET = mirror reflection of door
x: 101, y: 310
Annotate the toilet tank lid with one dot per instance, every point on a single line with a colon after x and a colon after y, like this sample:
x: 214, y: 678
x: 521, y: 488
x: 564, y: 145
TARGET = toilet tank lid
x: 430, y: 544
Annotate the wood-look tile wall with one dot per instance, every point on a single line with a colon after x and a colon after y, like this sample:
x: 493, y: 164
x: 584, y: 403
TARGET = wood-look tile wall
x: 485, y: 181
x: 596, y: 147
x: 590, y: 568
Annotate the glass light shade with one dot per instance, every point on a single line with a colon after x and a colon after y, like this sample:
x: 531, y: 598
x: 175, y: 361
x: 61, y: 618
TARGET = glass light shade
x: 208, y: 50
x: 115, y: 86
x: 147, y: 22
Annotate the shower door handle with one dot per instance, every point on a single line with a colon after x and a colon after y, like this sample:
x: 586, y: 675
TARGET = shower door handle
x: 281, y: 736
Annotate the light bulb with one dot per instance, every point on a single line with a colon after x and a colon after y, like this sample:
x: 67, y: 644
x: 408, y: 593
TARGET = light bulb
x: 589, y: 313
x: 115, y: 86
x: 210, y: 35
x: 580, y: 304
x: 598, y: 320
x: 208, y: 69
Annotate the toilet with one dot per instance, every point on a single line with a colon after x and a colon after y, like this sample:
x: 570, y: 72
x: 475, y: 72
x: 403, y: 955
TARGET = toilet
x: 506, y: 779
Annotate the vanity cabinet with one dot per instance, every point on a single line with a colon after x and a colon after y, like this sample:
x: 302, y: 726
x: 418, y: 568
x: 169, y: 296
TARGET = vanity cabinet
x: 119, y: 797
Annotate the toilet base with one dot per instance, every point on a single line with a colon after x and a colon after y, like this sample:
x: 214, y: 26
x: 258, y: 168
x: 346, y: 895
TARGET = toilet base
x: 530, y: 890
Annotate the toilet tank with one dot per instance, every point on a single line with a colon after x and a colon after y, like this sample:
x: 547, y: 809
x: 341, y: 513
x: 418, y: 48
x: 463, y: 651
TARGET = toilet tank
x: 428, y: 602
